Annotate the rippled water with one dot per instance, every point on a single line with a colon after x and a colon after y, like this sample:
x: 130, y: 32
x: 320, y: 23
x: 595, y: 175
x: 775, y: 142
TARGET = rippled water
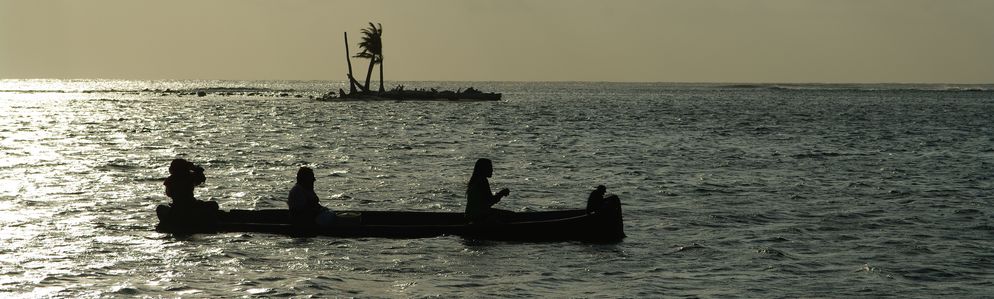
x: 728, y: 191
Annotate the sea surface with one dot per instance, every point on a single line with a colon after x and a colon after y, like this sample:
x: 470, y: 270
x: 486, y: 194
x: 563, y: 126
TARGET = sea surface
x: 728, y: 190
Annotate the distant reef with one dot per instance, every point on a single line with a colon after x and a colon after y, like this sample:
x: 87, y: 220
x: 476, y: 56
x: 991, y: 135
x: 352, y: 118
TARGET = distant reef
x: 401, y: 94
x: 371, y: 44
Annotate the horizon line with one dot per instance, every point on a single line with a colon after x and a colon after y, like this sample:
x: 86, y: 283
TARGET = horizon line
x: 533, y: 81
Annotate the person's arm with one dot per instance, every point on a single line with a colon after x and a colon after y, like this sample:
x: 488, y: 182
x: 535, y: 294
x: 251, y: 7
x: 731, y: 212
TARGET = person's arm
x: 315, y: 201
x: 293, y: 199
x: 500, y: 194
x: 169, y: 187
x: 198, y: 175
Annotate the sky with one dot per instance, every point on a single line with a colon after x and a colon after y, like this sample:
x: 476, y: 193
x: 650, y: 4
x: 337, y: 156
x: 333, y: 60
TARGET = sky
x: 747, y: 41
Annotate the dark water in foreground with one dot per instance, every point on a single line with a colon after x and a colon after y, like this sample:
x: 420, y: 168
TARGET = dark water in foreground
x: 728, y: 191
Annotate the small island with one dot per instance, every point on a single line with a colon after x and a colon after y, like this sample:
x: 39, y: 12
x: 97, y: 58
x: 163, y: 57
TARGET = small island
x: 372, y: 49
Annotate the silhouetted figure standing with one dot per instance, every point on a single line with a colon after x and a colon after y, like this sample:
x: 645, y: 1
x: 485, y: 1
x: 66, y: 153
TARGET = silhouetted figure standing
x: 184, y: 176
x: 303, y: 202
x: 479, y: 198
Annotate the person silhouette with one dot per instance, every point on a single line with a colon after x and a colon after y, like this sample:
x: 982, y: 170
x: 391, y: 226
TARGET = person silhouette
x: 305, y: 210
x: 184, y: 176
x: 596, y: 199
x: 479, y: 199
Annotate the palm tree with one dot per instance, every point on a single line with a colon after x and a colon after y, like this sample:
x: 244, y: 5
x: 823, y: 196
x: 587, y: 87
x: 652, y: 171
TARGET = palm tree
x: 372, y: 49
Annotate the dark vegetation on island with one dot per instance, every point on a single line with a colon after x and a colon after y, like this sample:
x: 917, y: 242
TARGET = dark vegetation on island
x: 372, y: 49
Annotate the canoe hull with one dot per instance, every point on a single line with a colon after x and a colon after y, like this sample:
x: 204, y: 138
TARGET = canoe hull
x: 604, y: 225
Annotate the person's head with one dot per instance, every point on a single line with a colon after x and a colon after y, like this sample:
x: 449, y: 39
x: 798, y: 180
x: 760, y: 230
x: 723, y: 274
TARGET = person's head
x: 305, y: 176
x: 599, y: 192
x: 483, y: 169
x: 179, y: 166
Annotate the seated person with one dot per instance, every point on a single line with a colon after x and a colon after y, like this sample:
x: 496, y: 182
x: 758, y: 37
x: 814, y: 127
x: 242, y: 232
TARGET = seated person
x: 596, y: 200
x: 184, y: 176
x: 305, y: 210
x: 479, y: 200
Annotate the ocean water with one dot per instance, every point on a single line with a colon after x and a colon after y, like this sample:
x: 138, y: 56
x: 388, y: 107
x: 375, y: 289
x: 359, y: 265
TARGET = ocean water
x: 728, y: 191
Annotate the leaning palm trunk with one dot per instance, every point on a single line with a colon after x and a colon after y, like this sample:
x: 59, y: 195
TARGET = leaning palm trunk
x: 381, y: 74
x: 348, y: 58
x: 369, y: 73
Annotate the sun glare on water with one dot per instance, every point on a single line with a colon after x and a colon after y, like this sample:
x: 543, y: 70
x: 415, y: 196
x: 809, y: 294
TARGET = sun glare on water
x: 39, y: 124
x: 54, y: 137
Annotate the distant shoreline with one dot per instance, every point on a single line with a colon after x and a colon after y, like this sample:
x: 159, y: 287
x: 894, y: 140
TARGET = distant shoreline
x: 504, y: 81
x: 317, y: 88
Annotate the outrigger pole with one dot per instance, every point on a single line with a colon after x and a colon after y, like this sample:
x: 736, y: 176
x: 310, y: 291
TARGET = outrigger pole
x: 349, y: 60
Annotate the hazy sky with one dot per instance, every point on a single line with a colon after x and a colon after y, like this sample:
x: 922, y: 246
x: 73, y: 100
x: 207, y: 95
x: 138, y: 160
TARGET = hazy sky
x: 911, y: 41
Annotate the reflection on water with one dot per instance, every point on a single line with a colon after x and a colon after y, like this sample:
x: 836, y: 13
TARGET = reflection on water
x: 54, y: 194
x: 769, y: 191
